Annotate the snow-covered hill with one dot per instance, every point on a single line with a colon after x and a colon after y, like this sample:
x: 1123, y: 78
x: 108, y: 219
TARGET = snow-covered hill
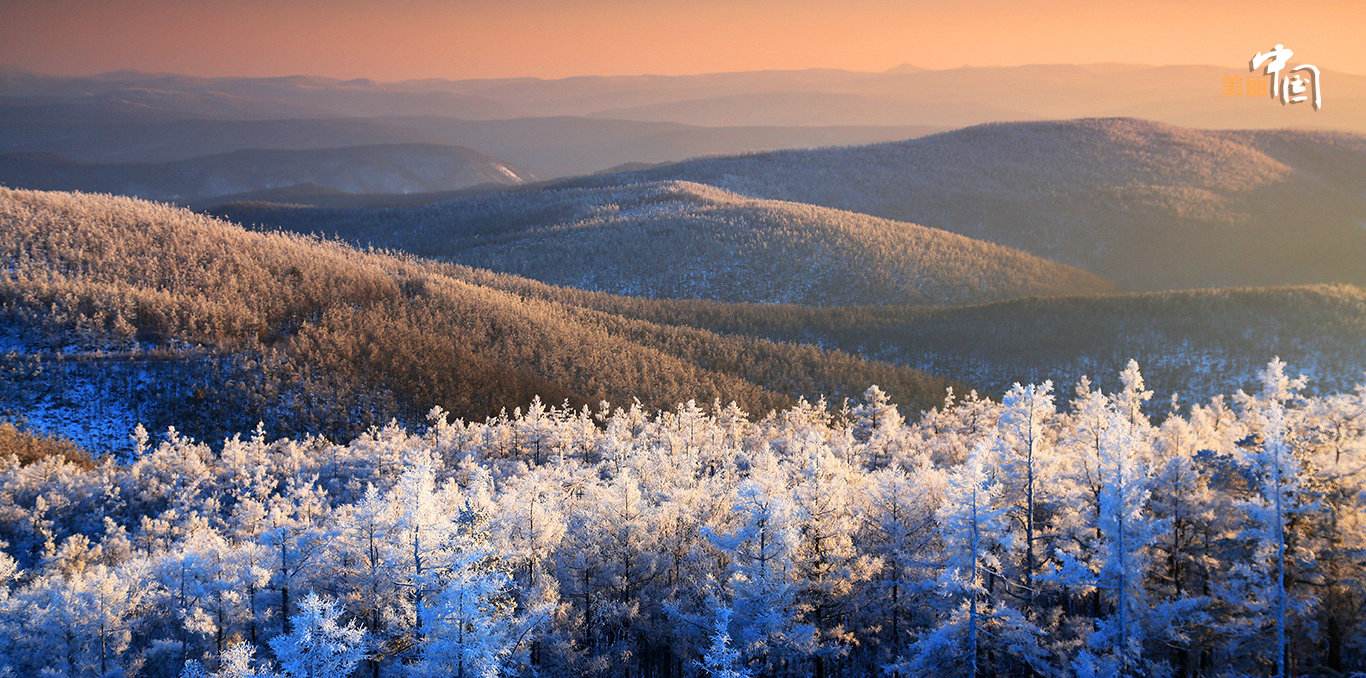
x: 317, y: 337
x: 1147, y: 205
x: 687, y: 240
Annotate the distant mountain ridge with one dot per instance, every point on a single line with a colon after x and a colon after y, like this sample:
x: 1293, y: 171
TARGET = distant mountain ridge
x: 678, y: 239
x: 1179, y: 94
x: 394, y: 168
x: 545, y: 147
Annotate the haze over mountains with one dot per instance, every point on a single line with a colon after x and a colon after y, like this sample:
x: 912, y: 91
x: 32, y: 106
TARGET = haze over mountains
x: 544, y: 147
x: 1188, y: 95
x: 396, y: 168
x: 556, y: 128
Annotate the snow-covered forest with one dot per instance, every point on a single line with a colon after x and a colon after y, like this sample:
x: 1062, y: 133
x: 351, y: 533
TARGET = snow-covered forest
x: 1115, y: 536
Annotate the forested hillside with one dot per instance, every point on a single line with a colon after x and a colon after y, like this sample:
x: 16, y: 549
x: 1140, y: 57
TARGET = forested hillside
x: 1005, y: 539
x: 687, y: 240
x: 1197, y: 343
x: 1146, y: 205
x: 312, y: 336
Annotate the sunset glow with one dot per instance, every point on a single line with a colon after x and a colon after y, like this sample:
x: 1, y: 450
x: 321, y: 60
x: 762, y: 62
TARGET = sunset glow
x: 474, y: 38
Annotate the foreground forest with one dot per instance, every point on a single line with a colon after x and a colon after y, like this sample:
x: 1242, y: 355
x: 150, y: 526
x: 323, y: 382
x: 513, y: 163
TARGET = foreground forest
x: 997, y: 538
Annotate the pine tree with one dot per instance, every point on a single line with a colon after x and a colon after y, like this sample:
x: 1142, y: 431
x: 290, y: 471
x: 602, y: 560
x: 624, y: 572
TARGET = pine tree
x: 1126, y: 531
x: 1280, y: 482
x: 237, y: 661
x: 972, y: 527
x: 1023, y: 451
x: 471, y: 620
x: 878, y: 426
x: 721, y: 660
x: 762, y: 553
x: 318, y: 646
x: 422, y: 531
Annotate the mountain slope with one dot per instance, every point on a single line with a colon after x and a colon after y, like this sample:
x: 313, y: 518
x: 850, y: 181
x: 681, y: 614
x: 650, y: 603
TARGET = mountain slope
x: 219, y: 327
x: 395, y: 168
x: 1198, y: 343
x: 687, y: 240
x: 1144, y: 204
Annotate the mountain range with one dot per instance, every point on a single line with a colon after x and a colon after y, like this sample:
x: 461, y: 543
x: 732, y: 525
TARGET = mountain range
x: 1143, y: 205
x: 1194, y: 95
x: 1147, y: 205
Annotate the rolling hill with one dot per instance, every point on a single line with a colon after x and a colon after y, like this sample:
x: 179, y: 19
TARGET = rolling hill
x: 396, y: 168
x: 119, y: 311
x: 1147, y: 205
x: 687, y: 240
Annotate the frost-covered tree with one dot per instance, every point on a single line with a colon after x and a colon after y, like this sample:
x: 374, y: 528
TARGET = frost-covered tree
x: 762, y: 552
x: 1023, y: 449
x: 878, y: 426
x: 721, y: 660
x: 1278, y: 496
x: 366, y: 556
x: 237, y: 661
x: 295, y: 535
x: 319, y: 645
x: 899, y: 531
x: 421, y: 532
x: 1157, y: 544
x: 471, y: 627
x: 1126, y: 531
x: 973, y: 618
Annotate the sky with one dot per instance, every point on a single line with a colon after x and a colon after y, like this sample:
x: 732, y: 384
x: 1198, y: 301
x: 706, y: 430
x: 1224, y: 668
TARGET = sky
x: 408, y: 39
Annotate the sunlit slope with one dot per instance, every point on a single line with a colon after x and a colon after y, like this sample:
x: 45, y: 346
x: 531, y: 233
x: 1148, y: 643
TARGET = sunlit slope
x: 687, y: 240
x: 320, y: 337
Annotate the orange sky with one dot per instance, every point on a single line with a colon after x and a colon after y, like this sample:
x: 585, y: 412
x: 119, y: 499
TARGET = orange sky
x: 402, y: 39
